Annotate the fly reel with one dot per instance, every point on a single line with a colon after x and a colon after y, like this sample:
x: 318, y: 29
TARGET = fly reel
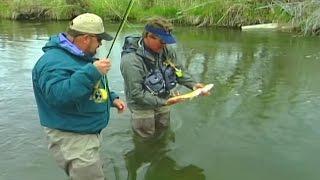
x: 100, y: 95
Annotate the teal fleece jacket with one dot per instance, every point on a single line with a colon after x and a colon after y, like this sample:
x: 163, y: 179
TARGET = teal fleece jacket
x: 63, y: 83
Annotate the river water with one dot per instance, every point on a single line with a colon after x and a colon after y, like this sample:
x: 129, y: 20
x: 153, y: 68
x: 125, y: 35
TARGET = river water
x: 261, y: 121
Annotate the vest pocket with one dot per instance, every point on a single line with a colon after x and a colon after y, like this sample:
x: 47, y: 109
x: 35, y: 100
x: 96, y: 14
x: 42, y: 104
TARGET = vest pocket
x: 154, y: 82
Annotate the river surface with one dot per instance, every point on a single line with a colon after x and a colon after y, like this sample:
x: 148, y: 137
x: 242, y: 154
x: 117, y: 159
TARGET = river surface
x: 261, y: 121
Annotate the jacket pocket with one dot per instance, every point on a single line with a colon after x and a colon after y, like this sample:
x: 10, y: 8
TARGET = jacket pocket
x: 91, y: 107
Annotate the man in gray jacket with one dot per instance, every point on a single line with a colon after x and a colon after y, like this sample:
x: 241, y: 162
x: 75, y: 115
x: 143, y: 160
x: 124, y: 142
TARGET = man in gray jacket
x: 150, y: 71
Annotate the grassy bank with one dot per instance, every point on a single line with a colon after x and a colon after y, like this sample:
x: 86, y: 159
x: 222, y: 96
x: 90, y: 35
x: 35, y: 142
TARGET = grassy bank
x: 304, y: 16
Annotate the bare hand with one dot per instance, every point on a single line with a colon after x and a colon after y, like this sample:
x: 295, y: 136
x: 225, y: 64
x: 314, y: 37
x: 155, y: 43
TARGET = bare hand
x: 120, y: 105
x: 103, y: 65
x: 197, y: 86
x: 200, y: 85
x: 174, y: 100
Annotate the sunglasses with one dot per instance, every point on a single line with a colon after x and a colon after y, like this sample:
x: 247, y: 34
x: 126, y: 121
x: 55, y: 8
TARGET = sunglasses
x: 99, y: 39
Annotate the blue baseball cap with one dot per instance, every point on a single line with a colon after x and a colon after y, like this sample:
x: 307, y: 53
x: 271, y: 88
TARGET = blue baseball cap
x: 161, y: 33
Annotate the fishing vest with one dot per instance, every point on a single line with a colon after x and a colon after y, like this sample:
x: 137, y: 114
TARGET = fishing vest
x: 159, y: 80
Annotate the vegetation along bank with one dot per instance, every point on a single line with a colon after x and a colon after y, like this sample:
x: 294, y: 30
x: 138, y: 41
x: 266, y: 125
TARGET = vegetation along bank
x: 301, y: 16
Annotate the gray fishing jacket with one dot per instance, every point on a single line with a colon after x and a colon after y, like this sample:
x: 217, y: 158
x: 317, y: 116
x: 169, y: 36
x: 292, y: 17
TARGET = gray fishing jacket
x: 134, y: 70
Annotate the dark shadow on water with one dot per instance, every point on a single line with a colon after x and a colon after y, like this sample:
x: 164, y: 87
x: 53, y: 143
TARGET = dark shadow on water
x: 149, y: 161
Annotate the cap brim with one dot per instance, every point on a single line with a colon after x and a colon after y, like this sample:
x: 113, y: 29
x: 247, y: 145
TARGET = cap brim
x: 105, y: 36
x: 168, y: 38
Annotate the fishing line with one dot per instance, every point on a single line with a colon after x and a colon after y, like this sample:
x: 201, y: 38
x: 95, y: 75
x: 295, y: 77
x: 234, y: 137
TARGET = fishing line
x: 101, y: 94
x: 125, y: 16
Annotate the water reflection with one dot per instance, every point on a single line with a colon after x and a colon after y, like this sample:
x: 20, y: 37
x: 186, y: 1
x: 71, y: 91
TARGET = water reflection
x: 149, y: 161
x: 264, y: 110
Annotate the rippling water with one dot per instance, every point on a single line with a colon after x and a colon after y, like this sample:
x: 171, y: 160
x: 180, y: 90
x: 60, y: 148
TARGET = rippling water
x: 261, y: 122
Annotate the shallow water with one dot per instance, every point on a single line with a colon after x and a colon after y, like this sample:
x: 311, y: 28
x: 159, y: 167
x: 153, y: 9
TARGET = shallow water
x: 261, y: 121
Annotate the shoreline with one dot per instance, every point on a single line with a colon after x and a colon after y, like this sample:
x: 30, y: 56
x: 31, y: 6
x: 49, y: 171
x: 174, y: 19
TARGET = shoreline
x: 196, y: 13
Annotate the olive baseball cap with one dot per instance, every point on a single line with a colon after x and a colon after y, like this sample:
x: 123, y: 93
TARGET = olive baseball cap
x: 91, y: 24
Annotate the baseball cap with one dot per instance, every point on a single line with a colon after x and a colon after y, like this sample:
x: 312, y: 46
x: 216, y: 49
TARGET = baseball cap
x: 91, y: 24
x: 161, y: 33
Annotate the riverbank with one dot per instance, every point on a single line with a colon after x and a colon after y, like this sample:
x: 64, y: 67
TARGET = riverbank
x: 301, y: 16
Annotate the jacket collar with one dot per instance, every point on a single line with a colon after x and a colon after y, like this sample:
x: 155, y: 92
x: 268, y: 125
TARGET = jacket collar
x: 65, y: 43
x: 144, y: 51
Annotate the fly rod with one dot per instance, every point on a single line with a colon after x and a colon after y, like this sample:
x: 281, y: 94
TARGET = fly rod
x: 101, y: 94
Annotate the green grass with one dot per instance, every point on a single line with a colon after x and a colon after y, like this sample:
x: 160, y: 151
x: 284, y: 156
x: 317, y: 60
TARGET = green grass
x: 305, y: 15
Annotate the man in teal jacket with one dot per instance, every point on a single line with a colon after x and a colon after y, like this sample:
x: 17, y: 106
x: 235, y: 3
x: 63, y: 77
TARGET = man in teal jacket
x: 73, y: 96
